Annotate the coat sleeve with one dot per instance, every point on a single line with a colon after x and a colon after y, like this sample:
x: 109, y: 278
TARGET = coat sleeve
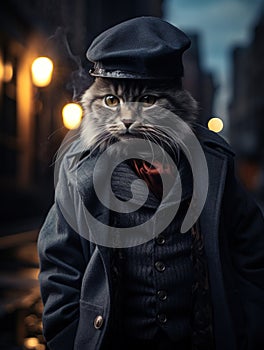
x: 61, y: 270
x: 246, y: 246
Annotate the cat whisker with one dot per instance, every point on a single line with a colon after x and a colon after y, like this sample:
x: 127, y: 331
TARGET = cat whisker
x: 100, y: 143
x: 68, y: 140
x: 160, y: 137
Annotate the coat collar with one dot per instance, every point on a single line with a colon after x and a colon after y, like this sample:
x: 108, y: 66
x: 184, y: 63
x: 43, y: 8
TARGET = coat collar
x: 217, y: 159
x: 212, y: 140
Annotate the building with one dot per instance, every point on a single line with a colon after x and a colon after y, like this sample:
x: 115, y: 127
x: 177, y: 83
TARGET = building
x: 31, y: 123
x: 199, y: 81
x: 247, y: 111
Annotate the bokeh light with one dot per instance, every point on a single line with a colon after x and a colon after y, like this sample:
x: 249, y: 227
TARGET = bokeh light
x: 216, y: 124
x: 42, y: 68
x: 7, y: 72
x: 72, y: 115
x: 31, y: 343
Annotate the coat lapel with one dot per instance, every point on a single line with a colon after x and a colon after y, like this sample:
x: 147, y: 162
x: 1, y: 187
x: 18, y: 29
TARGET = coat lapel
x: 209, y: 223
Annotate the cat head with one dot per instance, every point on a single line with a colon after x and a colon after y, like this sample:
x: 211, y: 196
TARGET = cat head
x: 120, y: 109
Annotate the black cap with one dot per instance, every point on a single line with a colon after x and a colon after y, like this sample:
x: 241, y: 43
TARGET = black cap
x: 140, y: 48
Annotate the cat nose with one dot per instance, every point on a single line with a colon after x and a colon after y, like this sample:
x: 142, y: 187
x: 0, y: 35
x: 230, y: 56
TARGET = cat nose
x: 127, y: 123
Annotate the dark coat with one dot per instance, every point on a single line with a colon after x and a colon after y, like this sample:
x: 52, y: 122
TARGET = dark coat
x: 75, y: 273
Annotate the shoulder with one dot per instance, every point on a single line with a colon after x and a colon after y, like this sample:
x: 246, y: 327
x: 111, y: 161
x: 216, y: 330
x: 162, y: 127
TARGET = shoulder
x: 212, y: 141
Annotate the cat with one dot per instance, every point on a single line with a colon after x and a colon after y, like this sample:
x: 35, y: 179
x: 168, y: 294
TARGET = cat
x: 120, y: 109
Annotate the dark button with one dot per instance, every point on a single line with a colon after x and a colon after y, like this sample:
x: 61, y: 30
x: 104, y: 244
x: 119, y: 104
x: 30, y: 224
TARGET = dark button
x: 98, y: 322
x: 160, y: 240
x: 160, y: 266
x: 162, y: 318
x: 162, y: 294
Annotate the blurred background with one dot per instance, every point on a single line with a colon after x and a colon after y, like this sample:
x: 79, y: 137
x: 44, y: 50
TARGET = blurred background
x: 43, y: 70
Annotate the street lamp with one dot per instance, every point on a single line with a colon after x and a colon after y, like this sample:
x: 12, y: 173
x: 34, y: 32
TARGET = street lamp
x: 72, y: 115
x: 215, y: 124
x: 41, y: 69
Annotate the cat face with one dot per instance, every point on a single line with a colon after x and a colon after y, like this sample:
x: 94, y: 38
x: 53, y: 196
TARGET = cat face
x: 117, y: 109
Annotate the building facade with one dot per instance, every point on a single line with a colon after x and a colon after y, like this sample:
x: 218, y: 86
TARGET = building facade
x: 247, y: 111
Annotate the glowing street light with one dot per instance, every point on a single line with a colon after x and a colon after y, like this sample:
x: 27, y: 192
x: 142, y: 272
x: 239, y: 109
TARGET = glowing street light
x: 42, y: 68
x: 72, y: 115
x: 31, y: 343
x: 216, y: 124
x: 6, y: 72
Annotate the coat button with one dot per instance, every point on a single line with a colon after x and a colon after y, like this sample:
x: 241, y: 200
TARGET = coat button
x: 162, y: 318
x: 160, y: 240
x: 162, y: 294
x: 160, y: 266
x: 98, y: 322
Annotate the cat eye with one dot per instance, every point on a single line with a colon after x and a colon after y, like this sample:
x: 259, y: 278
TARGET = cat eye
x: 111, y: 101
x: 148, y: 100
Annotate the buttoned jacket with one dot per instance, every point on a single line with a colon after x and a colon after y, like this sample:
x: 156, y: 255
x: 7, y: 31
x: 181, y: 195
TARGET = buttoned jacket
x: 75, y: 276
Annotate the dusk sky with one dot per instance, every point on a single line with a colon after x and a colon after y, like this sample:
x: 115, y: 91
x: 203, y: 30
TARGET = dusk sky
x: 222, y: 24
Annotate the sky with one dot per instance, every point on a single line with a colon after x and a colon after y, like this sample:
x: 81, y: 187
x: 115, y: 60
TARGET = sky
x: 221, y: 24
